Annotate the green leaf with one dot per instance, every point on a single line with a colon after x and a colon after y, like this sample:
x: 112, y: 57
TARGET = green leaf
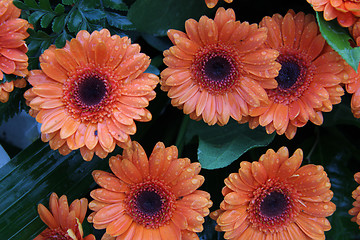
x: 119, y: 21
x: 30, y: 177
x: 35, y: 17
x: 20, y: 4
x: 68, y: 2
x: 46, y: 19
x: 339, y: 39
x: 157, y: 16
x: 61, y: 40
x: 115, y: 4
x: 45, y: 4
x: 94, y: 15
x: 59, y: 23
x: 59, y: 9
x: 31, y: 4
x: 219, y: 146
x: 75, y: 20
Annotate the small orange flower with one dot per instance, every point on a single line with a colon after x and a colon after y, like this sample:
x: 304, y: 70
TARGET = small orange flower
x: 275, y: 199
x: 7, y: 87
x: 345, y: 11
x: 63, y: 222
x: 149, y: 199
x: 212, y: 3
x: 309, y: 79
x: 13, y: 58
x: 218, y: 68
x: 356, y: 195
x: 89, y: 93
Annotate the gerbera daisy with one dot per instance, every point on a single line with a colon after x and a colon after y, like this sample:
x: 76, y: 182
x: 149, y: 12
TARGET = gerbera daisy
x: 275, y: 199
x: 345, y: 11
x: 356, y: 195
x: 63, y: 221
x: 7, y: 87
x: 149, y: 199
x: 89, y: 93
x: 212, y: 3
x: 352, y: 84
x: 218, y: 68
x: 13, y: 58
x: 309, y: 79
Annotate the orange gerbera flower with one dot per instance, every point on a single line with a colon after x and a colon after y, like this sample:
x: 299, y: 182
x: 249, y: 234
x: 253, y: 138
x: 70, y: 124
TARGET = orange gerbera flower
x: 356, y: 195
x: 309, y: 79
x: 219, y: 68
x: 63, y: 222
x: 89, y: 93
x: 7, y: 87
x: 149, y: 199
x: 212, y: 3
x: 275, y: 199
x: 345, y: 11
x: 352, y: 84
x: 13, y: 58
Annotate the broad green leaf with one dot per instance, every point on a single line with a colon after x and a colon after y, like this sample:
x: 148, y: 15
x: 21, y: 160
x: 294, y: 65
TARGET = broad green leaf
x: 94, y: 15
x: 119, y: 21
x: 339, y: 39
x: 157, y: 16
x: 59, y: 23
x: 29, y: 179
x: 46, y: 19
x: 31, y: 4
x: 59, y: 9
x: 115, y: 4
x: 20, y: 4
x: 35, y: 17
x: 45, y: 4
x: 219, y: 146
x: 75, y: 20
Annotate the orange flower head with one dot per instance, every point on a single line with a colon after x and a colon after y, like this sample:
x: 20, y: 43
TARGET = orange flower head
x: 310, y: 78
x: 13, y: 58
x: 275, y: 198
x: 345, y: 11
x: 352, y: 83
x: 149, y: 198
x: 355, y: 194
x: 63, y: 221
x: 89, y: 93
x: 212, y: 3
x: 218, y: 68
x: 7, y: 87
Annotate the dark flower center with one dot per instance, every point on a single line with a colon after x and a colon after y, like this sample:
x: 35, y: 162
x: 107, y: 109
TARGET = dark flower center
x: 273, y: 205
x: 92, y: 90
x: 288, y: 75
x: 88, y: 93
x: 150, y: 203
x: 215, y: 68
x: 294, y: 77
